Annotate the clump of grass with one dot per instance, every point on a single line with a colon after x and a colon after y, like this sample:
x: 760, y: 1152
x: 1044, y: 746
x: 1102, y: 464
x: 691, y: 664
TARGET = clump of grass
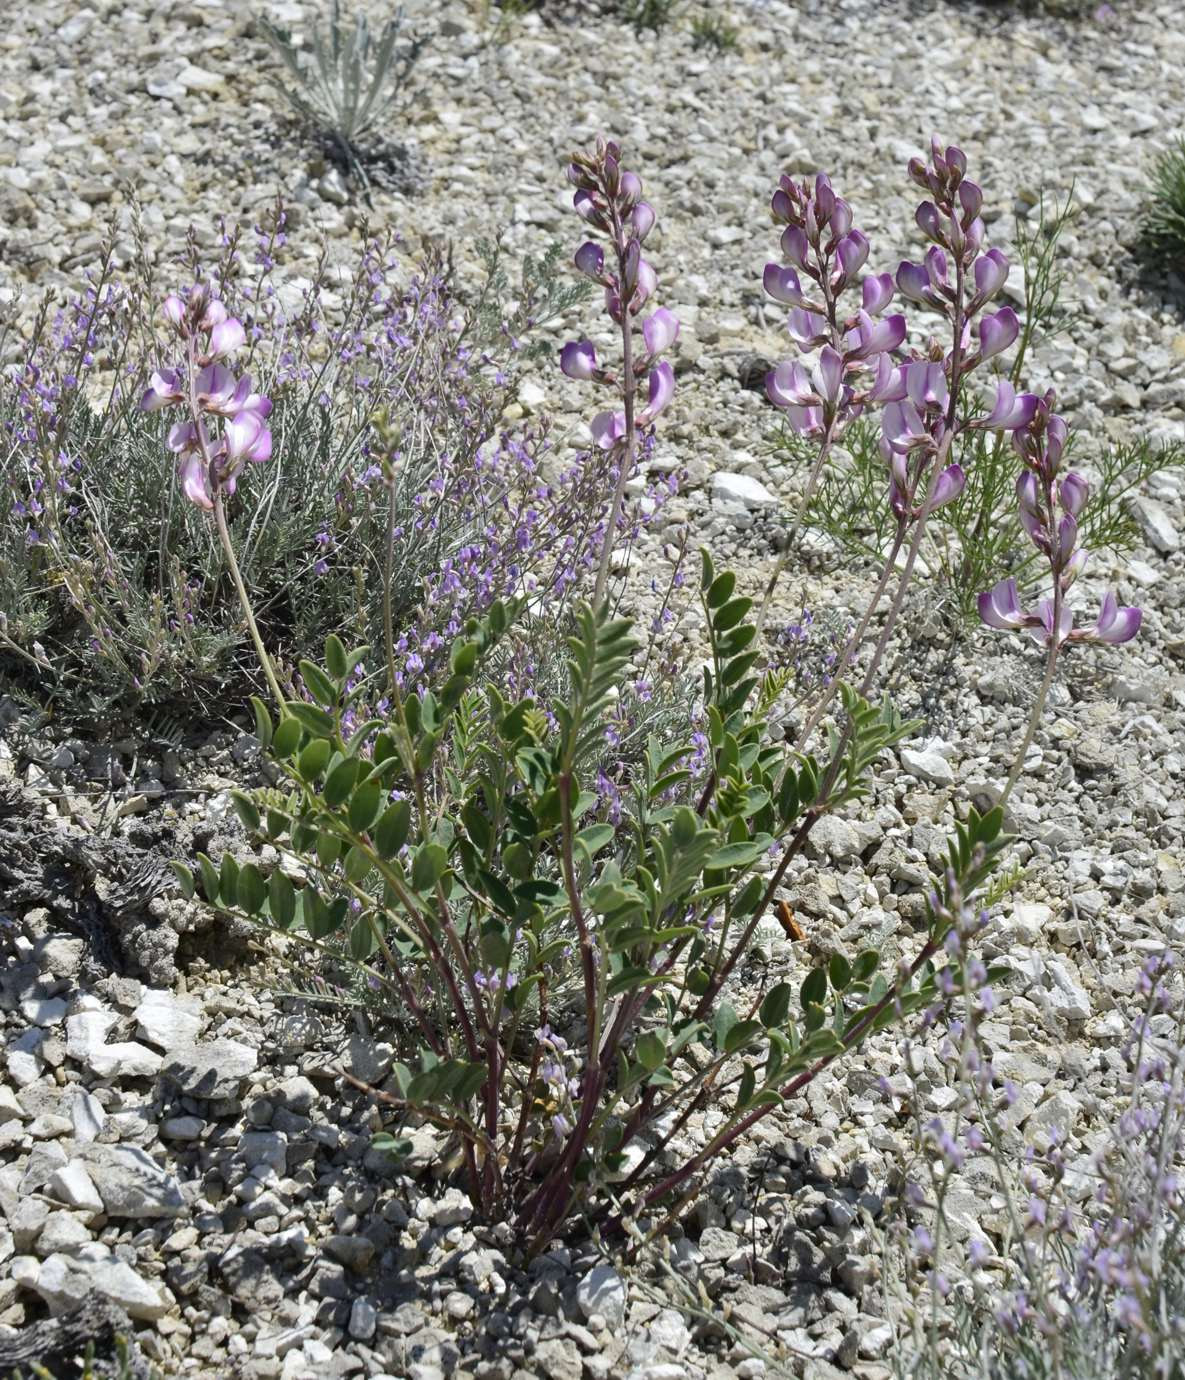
x: 709, y: 30
x: 1164, y: 220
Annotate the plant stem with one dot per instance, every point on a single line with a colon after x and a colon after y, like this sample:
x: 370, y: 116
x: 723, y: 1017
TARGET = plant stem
x: 792, y: 539
x: 241, y: 589
x: 1042, y: 695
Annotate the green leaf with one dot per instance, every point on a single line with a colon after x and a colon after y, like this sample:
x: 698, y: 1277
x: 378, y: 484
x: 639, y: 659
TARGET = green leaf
x: 365, y: 806
x: 335, y: 657
x: 329, y: 848
x: 724, y: 1020
x: 839, y: 970
x: 286, y: 738
x: 281, y: 899
x: 322, y: 920
x: 314, y: 758
x: 746, y: 1087
x: 518, y: 860
x: 720, y: 590
x: 814, y: 988
x: 251, y: 890
x: 357, y: 864
x: 428, y: 866
x: 340, y: 781
x: 594, y: 838
x: 741, y: 1035
x: 246, y: 810
x: 210, y: 880
x: 865, y: 965
x: 684, y: 827
x: 389, y: 1145
x: 650, y: 1050
x: 228, y: 880
x: 477, y: 826
x: 263, y: 721
x: 362, y: 941
x: 185, y: 879
x: 390, y: 834
x: 319, y: 685
x: 734, y: 855
x: 775, y: 1006
x: 630, y: 979
x: 310, y: 717
x: 730, y: 614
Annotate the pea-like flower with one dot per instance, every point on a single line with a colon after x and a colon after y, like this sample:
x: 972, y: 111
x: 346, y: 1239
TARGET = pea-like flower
x: 578, y: 359
x: 208, y: 466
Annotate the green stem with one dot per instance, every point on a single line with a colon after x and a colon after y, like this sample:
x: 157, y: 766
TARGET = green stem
x: 1042, y: 695
x: 241, y: 589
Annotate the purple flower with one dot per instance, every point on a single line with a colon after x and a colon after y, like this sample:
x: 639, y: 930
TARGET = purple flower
x: 783, y: 285
x: 870, y: 337
x: 949, y: 487
x: 991, y: 273
x: 662, y: 389
x: 578, y: 359
x: 1072, y: 493
x: 660, y: 330
x: 877, y: 292
x: 165, y: 388
x: 195, y: 481
x: 1114, y: 624
x: 807, y: 329
x: 607, y: 428
x: 996, y: 333
x: 247, y: 438
x: 226, y: 336
x: 1000, y: 607
x: 1010, y: 410
x: 642, y: 220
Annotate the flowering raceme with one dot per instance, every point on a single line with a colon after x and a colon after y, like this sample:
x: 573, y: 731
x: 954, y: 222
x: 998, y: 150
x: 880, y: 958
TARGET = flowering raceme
x: 209, y: 466
x: 1049, y: 504
x: 609, y: 198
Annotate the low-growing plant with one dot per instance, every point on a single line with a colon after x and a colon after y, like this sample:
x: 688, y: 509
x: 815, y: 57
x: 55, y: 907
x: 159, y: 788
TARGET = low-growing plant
x: 648, y: 14
x: 495, y: 910
x: 352, y: 84
x: 710, y: 30
x: 561, y: 966
x: 1164, y: 219
x: 109, y: 587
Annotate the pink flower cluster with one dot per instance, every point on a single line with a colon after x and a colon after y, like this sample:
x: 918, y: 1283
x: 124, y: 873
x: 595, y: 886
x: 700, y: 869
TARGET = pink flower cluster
x: 859, y: 364
x: 609, y: 198
x: 854, y: 368
x: 209, y: 466
x: 1049, y: 505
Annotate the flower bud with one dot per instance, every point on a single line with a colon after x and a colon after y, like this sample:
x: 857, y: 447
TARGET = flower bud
x: 929, y: 221
x: 590, y: 260
x: 642, y: 220
x: 1072, y: 493
x: 971, y: 199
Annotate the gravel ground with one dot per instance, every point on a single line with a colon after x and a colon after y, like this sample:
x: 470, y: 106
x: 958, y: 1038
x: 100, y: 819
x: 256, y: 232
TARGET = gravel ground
x: 181, y: 1138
